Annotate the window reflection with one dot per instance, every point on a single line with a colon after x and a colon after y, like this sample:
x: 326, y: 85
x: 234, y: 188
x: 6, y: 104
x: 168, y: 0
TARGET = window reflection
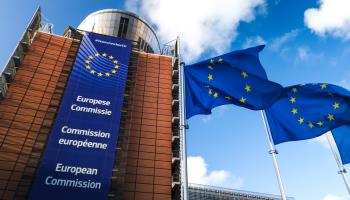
x: 122, y: 24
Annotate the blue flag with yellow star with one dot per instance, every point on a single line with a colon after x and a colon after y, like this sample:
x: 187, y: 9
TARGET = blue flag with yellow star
x: 341, y: 137
x: 308, y: 111
x: 233, y: 78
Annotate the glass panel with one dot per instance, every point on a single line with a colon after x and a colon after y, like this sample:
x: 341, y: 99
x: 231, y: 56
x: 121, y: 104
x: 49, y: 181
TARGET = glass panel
x: 123, y: 27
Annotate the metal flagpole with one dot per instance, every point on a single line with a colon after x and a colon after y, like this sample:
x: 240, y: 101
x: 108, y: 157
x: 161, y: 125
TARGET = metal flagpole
x: 273, y: 153
x: 183, y: 127
x: 342, y: 170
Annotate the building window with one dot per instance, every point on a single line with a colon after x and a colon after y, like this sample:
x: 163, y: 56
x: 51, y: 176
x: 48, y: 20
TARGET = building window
x: 123, y: 27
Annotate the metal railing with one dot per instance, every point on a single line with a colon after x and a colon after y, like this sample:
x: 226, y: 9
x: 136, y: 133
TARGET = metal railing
x: 169, y: 48
x: 17, y: 56
x: 234, y: 192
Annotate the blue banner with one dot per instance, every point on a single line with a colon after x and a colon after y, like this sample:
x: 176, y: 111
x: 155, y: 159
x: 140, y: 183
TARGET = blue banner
x: 78, y: 158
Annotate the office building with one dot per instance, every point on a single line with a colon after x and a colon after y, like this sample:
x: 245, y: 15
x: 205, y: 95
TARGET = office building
x: 205, y: 192
x: 34, y: 88
x: 34, y: 81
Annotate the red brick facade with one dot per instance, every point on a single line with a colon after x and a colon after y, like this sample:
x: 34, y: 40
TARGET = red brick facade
x: 29, y: 108
x: 148, y: 173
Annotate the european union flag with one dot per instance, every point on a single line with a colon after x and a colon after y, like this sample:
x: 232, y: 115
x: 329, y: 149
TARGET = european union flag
x: 308, y: 111
x: 341, y: 137
x: 233, y: 78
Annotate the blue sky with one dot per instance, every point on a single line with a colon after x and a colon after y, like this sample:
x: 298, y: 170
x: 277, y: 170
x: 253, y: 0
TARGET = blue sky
x: 229, y: 148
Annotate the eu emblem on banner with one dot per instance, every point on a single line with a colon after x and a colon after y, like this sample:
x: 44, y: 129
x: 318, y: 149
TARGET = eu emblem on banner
x: 97, y: 66
x: 308, y: 111
x: 86, y: 128
x: 233, y: 78
x: 101, y: 65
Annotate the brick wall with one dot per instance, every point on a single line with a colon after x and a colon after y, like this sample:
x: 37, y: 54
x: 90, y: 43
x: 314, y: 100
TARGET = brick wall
x: 28, y: 109
x: 148, y: 170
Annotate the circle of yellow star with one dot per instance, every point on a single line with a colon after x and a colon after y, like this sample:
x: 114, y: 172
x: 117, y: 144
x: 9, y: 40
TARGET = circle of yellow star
x: 242, y: 100
x: 330, y: 117
x: 92, y: 71
x: 311, y: 125
x: 301, y: 120
x: 210, y: 77
x: 215, y: 95
x: 247, y: 88
x: 220, y: 60
x: 212, y: 61
x: 294, y: 111
x: 336, y: 105
x: 244, y: 74
x: 210, y: 67
x: 324, y: 86
x: 320, y: 123
x: 293, y: 99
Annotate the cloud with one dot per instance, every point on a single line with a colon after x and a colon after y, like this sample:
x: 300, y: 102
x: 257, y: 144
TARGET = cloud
x: 333, y: 197
x: 253, y: 41
x: 279, y: 42
x: 206, y: 118
x: 332, y: 18
x: 345, y: 83
x: 203, y: 26
x: 219, y: 111
x: 322, y: 140
x: 303, y: 53
x: 198, y: 173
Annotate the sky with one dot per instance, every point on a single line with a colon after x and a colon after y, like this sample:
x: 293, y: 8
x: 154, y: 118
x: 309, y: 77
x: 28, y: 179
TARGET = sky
x: 306, y: 42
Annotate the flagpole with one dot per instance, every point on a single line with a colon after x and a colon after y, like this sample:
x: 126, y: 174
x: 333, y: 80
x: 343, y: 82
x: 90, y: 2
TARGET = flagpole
x: 342, y: 170
x: 183, y: 127
x: 273, y: 153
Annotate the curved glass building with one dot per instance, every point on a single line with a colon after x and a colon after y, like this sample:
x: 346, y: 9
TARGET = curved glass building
x: 122, y: 24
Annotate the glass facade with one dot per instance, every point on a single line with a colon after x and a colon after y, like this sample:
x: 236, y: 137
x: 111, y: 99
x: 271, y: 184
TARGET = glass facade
x: 122, y: 24
x: 205, y: 192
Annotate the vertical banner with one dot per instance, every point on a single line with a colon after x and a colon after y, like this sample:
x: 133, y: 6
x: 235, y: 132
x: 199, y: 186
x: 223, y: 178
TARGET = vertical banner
x: 78, y: 159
